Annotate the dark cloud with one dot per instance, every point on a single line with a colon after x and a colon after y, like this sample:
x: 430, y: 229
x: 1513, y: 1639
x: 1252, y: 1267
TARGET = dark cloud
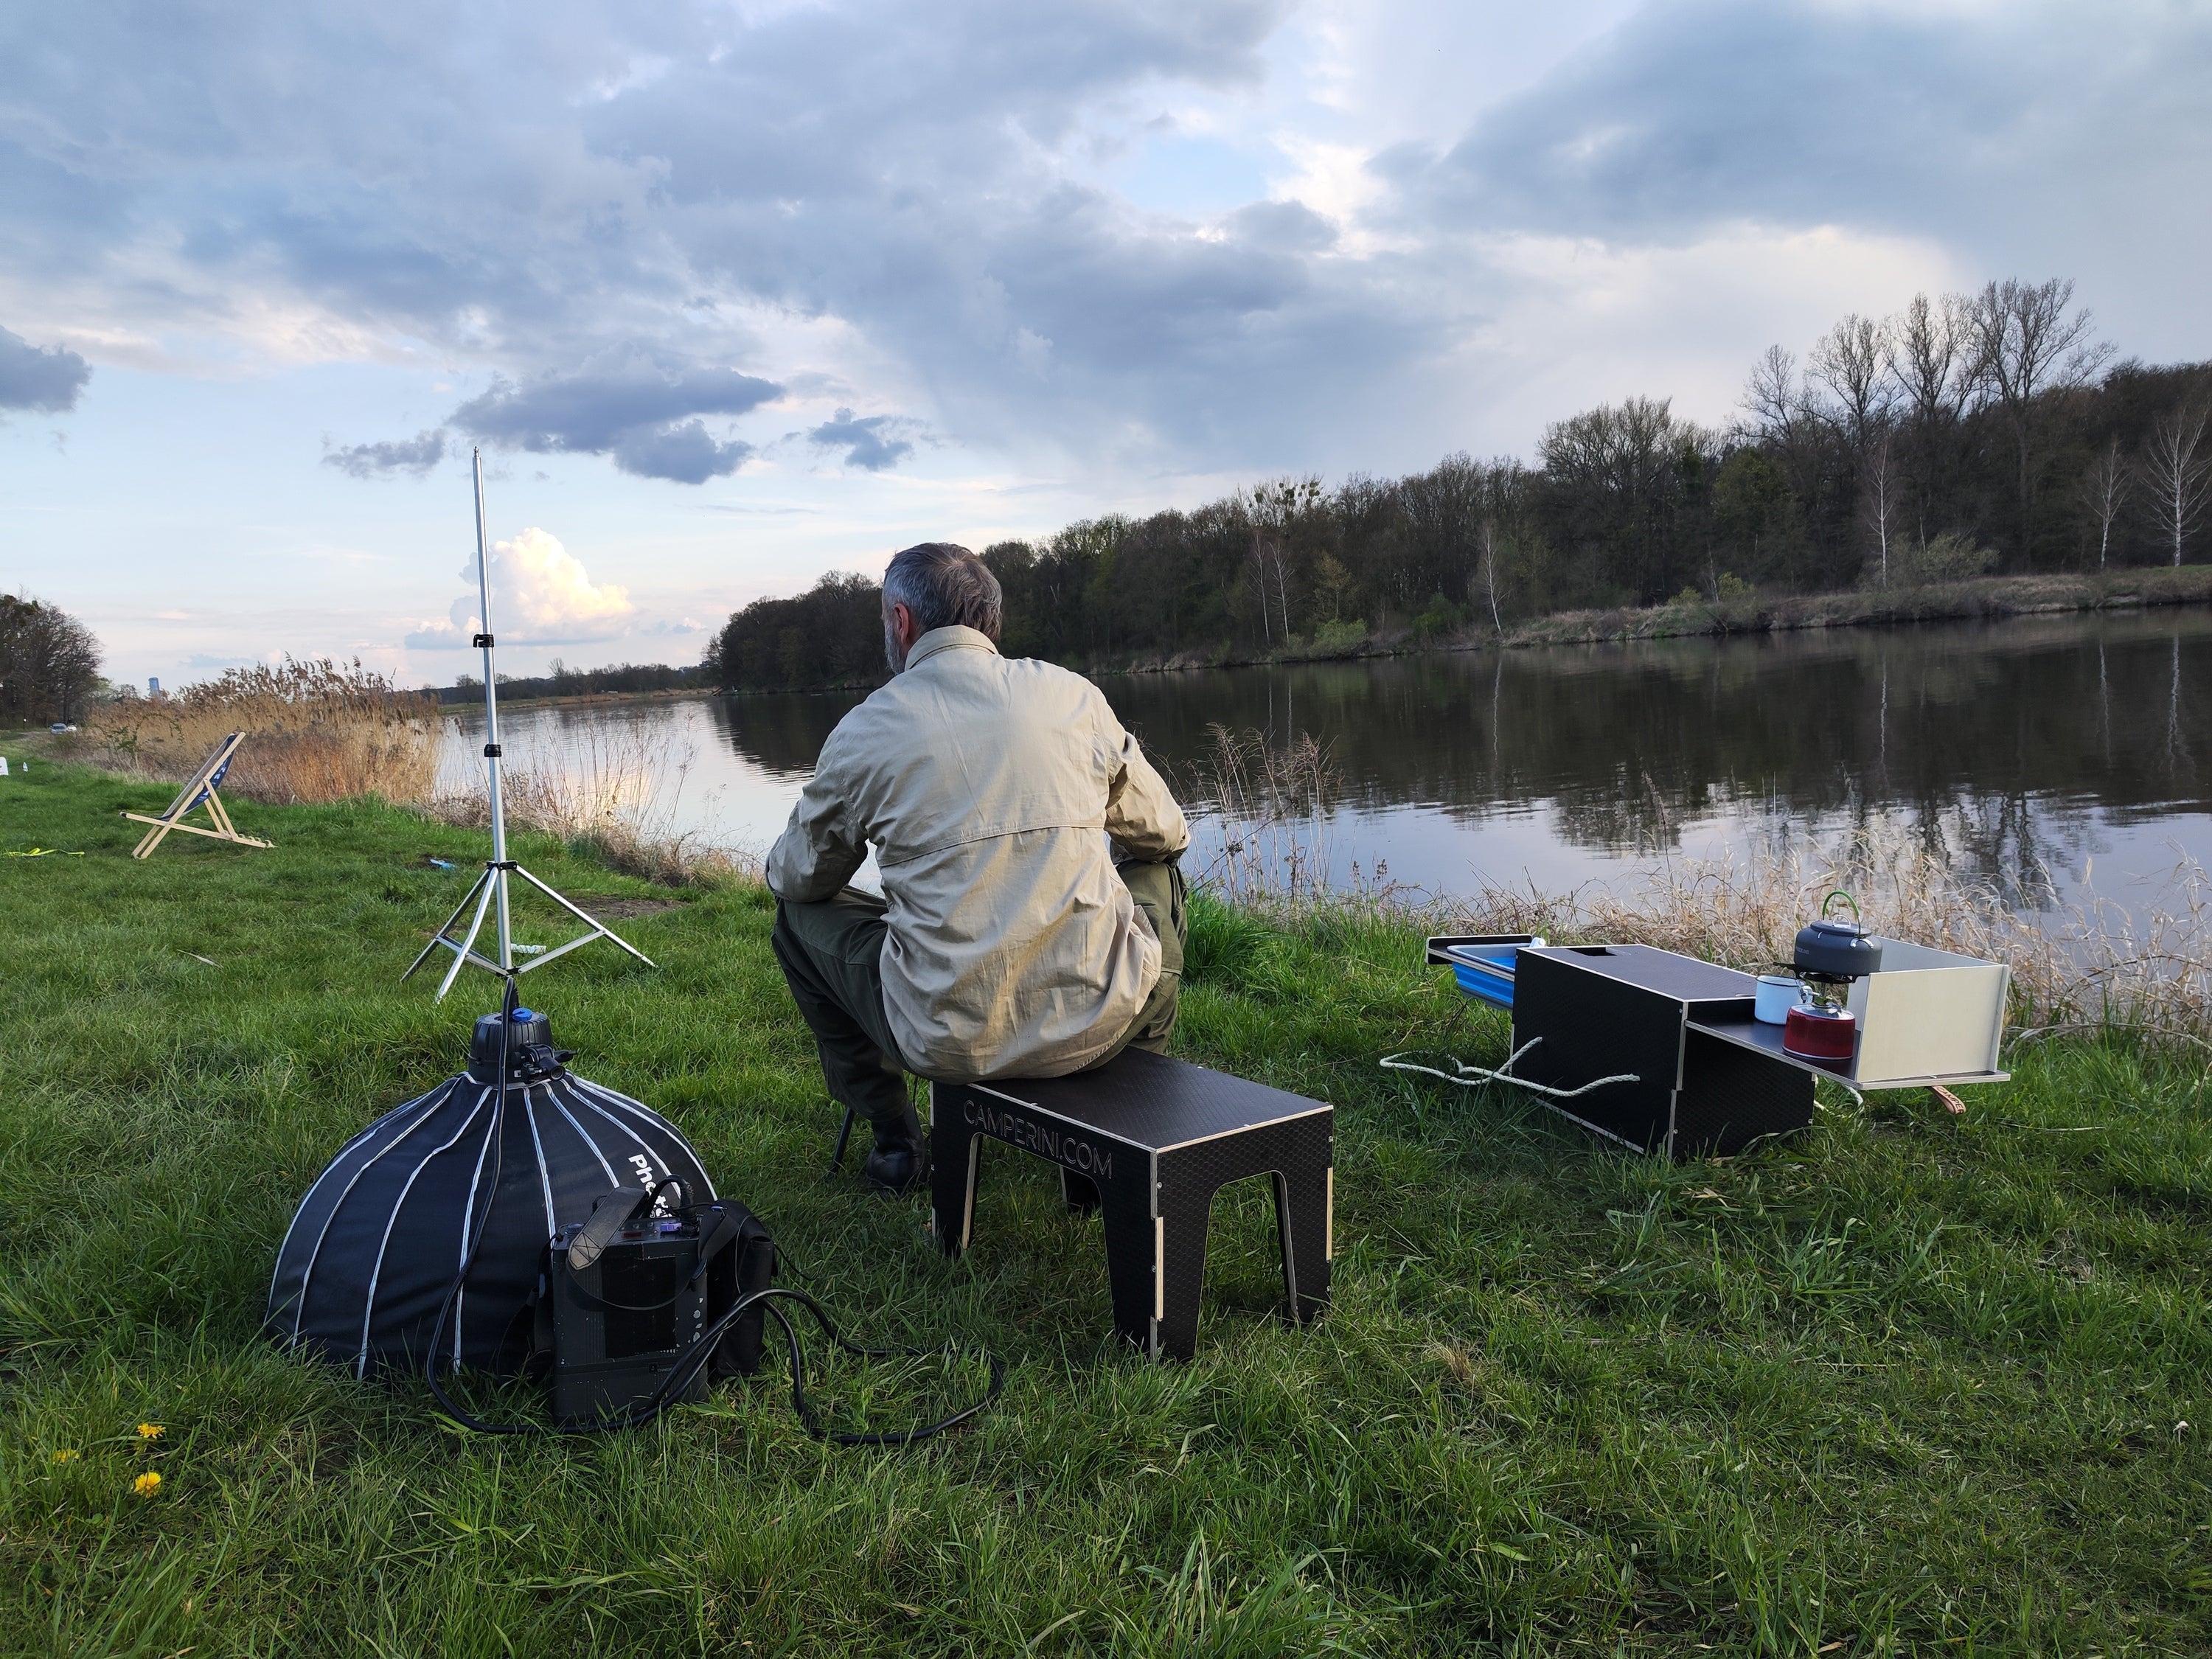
x: 642, y: 412
x: 605, y: 204
x: 46, y: 382
x: 866, y: 442
x: 417, y: 454
x: 1931, y: 120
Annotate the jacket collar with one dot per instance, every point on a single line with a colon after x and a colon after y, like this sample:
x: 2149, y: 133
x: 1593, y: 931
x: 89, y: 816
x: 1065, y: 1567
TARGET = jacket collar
x: 946, y: 639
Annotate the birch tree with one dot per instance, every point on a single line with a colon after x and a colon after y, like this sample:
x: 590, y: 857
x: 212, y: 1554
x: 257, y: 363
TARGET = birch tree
x: 1881, y: 498
x: 2178, y: 472
x: 2105, y: 490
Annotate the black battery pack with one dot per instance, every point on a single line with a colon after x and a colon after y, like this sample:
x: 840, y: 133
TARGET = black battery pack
x: 632, y: 1293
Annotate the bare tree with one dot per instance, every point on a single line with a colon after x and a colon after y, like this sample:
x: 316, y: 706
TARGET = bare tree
x: 2026, y: 345
x: 1880, y: 499
x: 1486, y: 571
x: 1772, y: 398
x: 1851, y: 360
x: 1271, y: 580
x: 1930, y: 363
x: 2178, y: 468
x: 2105, y: 490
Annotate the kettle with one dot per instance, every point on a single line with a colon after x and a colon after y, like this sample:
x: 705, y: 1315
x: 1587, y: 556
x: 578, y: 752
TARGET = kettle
x: 1835, y: 949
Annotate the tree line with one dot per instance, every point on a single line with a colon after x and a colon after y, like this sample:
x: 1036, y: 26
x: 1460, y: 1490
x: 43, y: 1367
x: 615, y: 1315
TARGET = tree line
x: 559, y: 680
x: 1968, y: 433
x: 49, y: 664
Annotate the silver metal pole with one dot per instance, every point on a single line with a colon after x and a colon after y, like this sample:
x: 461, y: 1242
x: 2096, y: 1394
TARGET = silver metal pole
x: 491, y: 722
x: 493, y: 884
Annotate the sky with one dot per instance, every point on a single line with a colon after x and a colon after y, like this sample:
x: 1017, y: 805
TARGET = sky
x: 733, y: 295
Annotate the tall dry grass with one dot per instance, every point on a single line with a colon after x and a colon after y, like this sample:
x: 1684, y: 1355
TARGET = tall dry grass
x: 316, y: 731
x: 2100, y: 964
x: 2104, y: 964
x: 1273, y: 802
x: 611, y: 790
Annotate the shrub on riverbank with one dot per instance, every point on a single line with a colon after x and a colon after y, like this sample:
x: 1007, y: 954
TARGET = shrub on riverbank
x: 1909, y: 1381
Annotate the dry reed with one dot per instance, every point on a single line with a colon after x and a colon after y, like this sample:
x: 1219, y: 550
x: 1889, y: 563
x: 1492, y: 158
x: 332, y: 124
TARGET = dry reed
x: 2100, y: 964
x: 316, y: 731
x: 612, y: 791
x: 1273, y: 804
x: 2145, y: 967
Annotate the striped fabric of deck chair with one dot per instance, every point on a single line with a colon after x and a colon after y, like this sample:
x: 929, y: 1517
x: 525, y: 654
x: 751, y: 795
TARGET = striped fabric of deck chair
x: 200, y: 792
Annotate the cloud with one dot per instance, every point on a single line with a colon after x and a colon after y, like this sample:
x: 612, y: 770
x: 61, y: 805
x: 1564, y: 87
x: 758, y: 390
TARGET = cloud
x: 46, y: 382
x: 1955, y: 119
x: 541, y: 595
x: 630, y: 404
x: 417, y: 454
x: 635, y: 222
x: 864, y: 441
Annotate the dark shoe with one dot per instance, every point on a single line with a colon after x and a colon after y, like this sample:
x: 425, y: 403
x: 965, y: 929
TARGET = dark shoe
x: 900, y: 1163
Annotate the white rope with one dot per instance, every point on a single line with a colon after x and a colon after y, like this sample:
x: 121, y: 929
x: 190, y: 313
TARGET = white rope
x: 1474, y: 1077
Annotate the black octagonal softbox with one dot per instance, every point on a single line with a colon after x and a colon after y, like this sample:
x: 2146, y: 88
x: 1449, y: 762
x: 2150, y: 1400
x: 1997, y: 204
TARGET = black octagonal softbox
x: 372, y: 1253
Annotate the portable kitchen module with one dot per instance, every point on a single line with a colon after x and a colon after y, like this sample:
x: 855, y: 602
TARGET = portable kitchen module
x: 1708, y: 1078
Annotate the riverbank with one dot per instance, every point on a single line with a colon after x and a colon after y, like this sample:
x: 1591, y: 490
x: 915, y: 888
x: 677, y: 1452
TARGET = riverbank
x: 1748, y: 611
x: 1984, y: 599
x: 1910, y: 1379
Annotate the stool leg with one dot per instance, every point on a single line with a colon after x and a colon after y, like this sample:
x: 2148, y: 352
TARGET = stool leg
x: 1132, y: 1240
x: 1078, y: 1192
x: 1303, y: 1201
x: 954, y: 1153
x: 1184, y: 1215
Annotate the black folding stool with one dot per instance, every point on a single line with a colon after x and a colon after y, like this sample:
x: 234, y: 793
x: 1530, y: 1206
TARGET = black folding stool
x: 1146, y: 1141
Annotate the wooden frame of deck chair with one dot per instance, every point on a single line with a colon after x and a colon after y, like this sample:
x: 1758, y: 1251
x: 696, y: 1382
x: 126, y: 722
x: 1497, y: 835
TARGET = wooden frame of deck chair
x: 200, y: 792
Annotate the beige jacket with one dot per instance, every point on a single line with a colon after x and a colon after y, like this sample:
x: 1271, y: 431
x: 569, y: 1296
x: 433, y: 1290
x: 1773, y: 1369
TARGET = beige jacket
x: 990, y: 788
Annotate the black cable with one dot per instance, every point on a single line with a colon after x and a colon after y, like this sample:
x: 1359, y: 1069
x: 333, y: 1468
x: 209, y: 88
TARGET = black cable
x: 689, y: 1365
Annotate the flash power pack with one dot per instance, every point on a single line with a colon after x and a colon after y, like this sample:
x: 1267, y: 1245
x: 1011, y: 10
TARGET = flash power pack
x: 629, y: 1294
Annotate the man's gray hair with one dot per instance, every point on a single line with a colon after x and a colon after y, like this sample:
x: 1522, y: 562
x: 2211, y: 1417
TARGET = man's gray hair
x: 943, y: 585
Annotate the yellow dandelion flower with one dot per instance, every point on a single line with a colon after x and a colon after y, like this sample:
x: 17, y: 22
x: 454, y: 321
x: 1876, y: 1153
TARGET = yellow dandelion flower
x: 147, y: 1483
x: 151, y: 1431
x: 64, y: 1457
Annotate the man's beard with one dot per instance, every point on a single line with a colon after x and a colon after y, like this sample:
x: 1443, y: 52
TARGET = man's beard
x: 894, y: 654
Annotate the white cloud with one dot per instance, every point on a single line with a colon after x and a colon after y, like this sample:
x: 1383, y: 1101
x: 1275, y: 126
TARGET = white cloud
x: 541, y: 595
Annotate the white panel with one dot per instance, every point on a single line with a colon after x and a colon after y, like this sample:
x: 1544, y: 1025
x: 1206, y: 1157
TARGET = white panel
x: 1928, y: 1013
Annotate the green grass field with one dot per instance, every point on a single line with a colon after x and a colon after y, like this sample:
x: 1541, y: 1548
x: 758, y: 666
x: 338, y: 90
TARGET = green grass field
x: 1913, y: 1383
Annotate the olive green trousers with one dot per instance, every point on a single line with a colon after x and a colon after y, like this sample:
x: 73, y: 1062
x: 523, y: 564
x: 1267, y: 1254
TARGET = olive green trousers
x: 832, y: 958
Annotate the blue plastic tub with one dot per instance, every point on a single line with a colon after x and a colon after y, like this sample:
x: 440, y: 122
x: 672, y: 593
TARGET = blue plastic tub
x: 1485, y: 970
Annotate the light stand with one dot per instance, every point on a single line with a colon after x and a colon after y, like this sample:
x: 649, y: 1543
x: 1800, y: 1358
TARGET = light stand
x: 490, y: 888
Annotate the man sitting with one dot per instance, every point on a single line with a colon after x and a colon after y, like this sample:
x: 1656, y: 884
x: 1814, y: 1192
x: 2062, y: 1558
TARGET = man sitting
x: 1032, y: 922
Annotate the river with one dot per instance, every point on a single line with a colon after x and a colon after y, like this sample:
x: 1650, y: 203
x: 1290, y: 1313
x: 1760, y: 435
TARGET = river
x: 2049, y: 755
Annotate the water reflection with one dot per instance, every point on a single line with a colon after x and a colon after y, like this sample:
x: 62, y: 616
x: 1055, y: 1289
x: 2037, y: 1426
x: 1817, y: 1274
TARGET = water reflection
x: 2011, y: 748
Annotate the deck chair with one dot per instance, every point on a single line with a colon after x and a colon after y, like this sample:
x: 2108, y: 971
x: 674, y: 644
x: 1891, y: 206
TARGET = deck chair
x: 200, y: 792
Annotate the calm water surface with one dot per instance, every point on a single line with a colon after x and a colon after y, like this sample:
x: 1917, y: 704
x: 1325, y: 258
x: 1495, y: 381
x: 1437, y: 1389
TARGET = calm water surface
x: 2042, y: 754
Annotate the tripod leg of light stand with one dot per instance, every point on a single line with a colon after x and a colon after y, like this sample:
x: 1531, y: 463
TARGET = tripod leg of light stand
x: 600, y: 929
x: 446, y: 926
x: 463, y: 949
x: 844, y: 1135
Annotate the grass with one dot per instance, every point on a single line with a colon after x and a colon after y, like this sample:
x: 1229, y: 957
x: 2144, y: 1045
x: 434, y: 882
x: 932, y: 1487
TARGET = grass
x: 1910, y: 1384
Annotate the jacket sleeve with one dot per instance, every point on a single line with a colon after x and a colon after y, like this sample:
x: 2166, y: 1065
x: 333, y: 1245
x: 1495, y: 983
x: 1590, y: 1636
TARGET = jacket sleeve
x: 823, y: 844
x: 1142, y: 819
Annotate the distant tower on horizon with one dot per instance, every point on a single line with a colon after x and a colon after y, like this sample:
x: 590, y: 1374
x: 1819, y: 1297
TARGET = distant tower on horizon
x: 153, y: 686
